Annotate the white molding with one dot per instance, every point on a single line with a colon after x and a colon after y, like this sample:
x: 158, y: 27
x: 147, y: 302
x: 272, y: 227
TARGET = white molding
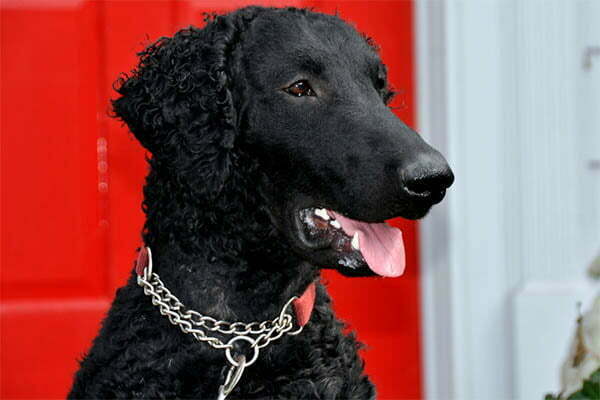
x: 471, y: 218
x: 435, y: 271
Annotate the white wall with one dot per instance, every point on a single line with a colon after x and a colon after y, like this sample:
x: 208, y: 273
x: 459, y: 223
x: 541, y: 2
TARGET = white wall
x: 505, y: 93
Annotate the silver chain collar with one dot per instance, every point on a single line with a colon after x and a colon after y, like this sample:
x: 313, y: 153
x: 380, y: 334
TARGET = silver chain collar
x: 257, y: 334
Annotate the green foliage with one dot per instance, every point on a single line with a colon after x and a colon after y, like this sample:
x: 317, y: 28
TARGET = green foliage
x: 589, y: 391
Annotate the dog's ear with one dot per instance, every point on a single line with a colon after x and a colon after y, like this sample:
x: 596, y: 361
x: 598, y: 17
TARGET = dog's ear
x: 178, y: 101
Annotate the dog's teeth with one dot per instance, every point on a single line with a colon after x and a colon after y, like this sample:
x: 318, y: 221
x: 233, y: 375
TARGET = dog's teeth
x: 355, y: 241
x: 322, y: 213
x: 335, y: 224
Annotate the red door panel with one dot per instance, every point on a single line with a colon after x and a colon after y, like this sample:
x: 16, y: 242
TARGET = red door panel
x: 49, y: 137
x: 53, y: 279
x: 72, y: 179
x: 60, y: 231
x: 41, y: 342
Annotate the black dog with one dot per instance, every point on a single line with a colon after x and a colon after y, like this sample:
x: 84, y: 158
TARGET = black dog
x: 274, y: 154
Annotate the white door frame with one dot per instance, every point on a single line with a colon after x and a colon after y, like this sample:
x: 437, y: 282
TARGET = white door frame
x: 500, y: 94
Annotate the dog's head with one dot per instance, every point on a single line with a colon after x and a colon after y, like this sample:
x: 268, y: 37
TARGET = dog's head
x: 297, y: 100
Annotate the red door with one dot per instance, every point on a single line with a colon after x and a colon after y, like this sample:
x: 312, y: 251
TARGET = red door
x: 72, y: 177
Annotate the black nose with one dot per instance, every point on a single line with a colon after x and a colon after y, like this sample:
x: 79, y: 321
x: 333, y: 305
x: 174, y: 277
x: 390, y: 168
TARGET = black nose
x: 427, y: 178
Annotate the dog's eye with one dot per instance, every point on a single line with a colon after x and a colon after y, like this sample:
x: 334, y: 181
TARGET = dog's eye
x: 299, y: 89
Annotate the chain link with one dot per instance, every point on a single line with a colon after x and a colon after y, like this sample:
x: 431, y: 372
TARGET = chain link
x: 194, y: 323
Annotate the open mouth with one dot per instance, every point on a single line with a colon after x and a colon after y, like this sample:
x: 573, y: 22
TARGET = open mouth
x: 356, y: 244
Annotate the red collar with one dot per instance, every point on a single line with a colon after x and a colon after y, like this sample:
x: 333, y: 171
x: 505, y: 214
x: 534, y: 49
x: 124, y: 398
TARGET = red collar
x: 303, y: 305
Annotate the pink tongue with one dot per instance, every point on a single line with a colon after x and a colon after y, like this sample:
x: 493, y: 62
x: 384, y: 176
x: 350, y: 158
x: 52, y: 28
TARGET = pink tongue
x: 380, y: 244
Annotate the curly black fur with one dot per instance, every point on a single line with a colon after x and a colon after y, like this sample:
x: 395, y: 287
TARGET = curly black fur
x: 230, y: 159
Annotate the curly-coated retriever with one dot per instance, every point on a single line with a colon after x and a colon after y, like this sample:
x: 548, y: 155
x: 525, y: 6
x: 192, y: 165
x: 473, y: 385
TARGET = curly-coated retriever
x: 274, y: 154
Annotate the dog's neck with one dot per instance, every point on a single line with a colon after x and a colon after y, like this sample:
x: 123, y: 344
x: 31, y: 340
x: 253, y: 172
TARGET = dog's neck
x: 231, y: 291
x: 229, y: 264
